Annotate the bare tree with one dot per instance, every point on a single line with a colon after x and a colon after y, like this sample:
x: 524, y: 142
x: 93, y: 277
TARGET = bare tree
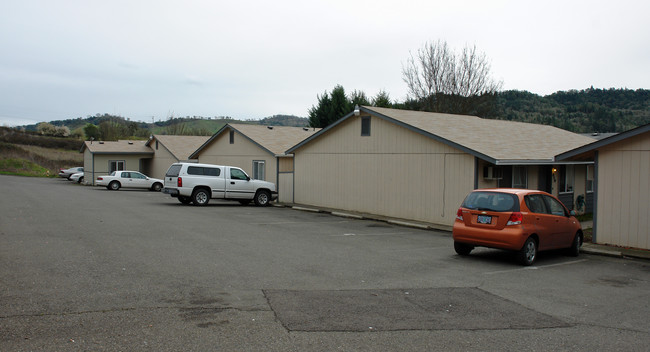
x: 443, y: 81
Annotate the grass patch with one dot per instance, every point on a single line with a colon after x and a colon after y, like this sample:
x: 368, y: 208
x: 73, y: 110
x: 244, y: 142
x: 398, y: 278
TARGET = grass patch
x: 21, y: 167
x: 585, y: 217
x: 22, y: 159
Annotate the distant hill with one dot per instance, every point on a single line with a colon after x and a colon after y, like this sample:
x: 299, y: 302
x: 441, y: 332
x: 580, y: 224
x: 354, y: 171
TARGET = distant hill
x: 584, y: 111
x: 190, y: 124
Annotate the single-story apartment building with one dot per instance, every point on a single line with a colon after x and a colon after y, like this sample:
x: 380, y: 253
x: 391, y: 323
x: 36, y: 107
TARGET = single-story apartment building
x: 170, y: 149
x: 102, y: 158
x: 258, y: 150
x: 621, y: 185
x: 419, y: 165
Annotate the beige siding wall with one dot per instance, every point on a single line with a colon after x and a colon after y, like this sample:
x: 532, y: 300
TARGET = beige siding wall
x: 394, y: 172
x: 285, y: 187
x: 240, y: 154
x: 131, y: 162
x: 161, y: 161
x: 623, y: 193
x: 482, y: 182
x: 88, y: 167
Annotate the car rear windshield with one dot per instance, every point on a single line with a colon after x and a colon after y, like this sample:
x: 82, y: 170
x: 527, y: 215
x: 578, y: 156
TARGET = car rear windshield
x: 173, y: 170
x: 491, y: 201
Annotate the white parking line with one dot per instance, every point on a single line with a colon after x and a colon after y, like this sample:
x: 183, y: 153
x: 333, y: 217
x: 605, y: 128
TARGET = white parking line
x: 535, y: 267
x: 299, y: 222
x: 372, y: 234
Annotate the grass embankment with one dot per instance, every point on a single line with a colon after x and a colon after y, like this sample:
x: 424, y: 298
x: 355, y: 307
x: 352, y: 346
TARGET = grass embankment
x: 29, y: 160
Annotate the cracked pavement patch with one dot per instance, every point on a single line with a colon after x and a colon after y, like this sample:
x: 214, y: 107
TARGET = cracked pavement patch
x: 393, y: 310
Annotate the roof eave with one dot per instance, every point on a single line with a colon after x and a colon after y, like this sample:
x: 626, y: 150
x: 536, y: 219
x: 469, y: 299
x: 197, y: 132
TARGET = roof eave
x: 603, y: 142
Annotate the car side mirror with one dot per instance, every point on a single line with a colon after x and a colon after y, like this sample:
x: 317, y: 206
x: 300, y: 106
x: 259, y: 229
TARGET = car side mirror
x: 248, y: 178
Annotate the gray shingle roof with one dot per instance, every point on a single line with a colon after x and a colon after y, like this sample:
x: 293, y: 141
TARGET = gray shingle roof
x: 180, y: 146
x: 119, y: 147
x: 275, y: 140
x: 499, y: 140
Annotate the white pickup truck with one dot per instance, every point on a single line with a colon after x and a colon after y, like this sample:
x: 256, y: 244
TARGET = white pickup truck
x: 198, y: 183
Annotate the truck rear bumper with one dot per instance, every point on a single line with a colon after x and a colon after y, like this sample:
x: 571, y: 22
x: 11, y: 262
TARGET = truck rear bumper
x: 171, y: 191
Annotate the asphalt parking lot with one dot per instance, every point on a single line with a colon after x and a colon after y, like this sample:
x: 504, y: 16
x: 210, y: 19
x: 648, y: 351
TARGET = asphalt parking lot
x: 84, y: 268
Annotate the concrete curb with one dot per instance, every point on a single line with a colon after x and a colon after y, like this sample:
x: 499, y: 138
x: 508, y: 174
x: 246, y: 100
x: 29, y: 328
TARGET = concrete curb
x: 346, y: 215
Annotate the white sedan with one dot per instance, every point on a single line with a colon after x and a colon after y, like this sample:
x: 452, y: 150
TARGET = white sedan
x: 78, y: 177
x: 66, y: 173
x: 129, y: 179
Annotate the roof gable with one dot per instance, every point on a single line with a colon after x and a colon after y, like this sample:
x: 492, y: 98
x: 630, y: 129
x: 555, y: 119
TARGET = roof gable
x: 275, y: 140
x: 181, y: 147
x: 604, y: 142
x: 496, y: 141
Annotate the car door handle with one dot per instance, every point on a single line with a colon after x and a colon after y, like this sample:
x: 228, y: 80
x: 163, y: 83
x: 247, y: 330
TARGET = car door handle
x: 232, y: 182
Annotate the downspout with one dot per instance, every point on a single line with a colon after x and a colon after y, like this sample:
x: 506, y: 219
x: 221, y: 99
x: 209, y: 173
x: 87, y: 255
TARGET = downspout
x: 277, y: 176
x: 92, y: 181
x: 594, y: 229
x: 475, y: 173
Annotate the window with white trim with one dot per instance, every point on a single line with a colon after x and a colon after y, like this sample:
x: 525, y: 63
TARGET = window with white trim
x: 259, y: 170
x: 116, y: 165
x: 567, y: 174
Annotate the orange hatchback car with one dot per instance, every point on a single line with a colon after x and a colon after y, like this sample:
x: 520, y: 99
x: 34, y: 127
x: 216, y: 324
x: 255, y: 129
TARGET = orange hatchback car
x: 521, y: 220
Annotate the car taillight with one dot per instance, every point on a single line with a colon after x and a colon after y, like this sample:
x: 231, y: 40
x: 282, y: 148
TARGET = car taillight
x: 99, y: 178
x: 515, y: 219
x: 459, y: 214
x: 179, y: 182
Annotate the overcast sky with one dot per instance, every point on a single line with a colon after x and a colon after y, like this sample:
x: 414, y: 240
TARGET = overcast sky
x: 251, y: 59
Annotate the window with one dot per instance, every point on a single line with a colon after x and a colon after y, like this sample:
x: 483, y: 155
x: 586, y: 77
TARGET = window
x: 365, y: 126
x: 554, y: 206
x: 519, y: 177
x: 535, y: 203
x: 138, y: 175
x: 125, y: 175
x: 156, y: 145
x: 232, y: 137
x: 566, y: 178
x: 116, y: 165
x: 203, y: 171
x: 236, y: 174
x: 173, y: 170
x: 491, y: 201
x: 259, y: 172
x: 590, y: 178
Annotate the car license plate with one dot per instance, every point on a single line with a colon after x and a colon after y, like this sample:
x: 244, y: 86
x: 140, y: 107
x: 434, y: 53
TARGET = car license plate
x: 484, y: 219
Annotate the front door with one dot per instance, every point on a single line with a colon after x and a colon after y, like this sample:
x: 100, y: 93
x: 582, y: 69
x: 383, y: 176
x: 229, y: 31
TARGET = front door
x: 238, y: 185
x: 545, y: 179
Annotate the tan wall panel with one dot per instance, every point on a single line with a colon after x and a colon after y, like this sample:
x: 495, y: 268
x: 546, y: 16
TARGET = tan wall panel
x: 423, y: 187
x: 623, y: 193
x: 394, y: 172
x: 386, y: 138
x: 286, y: 164
x: 163, y: 158
x: 285, y: 188
x: 131, y: 162
x: 240, y: 154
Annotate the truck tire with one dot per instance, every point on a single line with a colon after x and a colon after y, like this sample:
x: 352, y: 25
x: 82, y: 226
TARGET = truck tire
x: 200, y: 197
x: 184, y: 200
x: 262, y: 198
